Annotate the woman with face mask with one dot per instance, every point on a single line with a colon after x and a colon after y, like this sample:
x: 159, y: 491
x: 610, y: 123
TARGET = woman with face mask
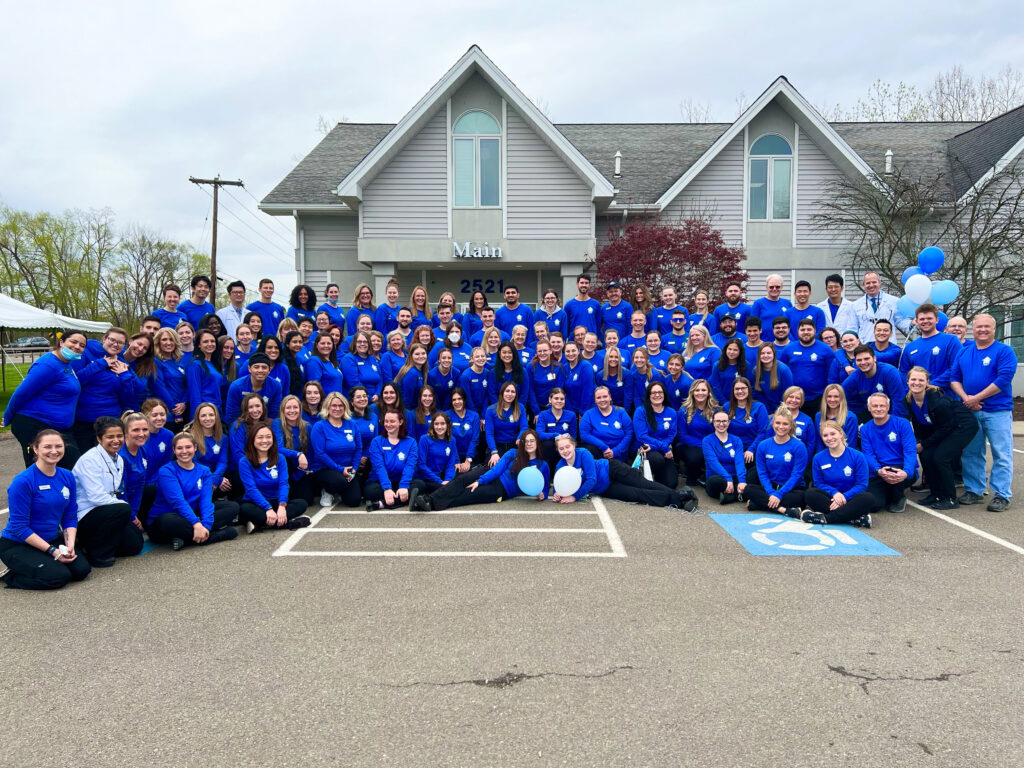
x: 47, y: 398
x: 455, y: 342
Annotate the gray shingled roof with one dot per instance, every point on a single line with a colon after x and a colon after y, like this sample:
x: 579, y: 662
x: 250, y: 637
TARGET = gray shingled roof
x: 973, y: 152
x: 655, y: 155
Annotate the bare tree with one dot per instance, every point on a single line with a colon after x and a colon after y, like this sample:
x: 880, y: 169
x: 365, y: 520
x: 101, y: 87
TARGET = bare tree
x: 695, y: 111
x: 325, y: 126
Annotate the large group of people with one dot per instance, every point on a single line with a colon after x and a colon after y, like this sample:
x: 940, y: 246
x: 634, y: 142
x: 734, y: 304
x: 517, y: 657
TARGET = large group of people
x: 248, y: 415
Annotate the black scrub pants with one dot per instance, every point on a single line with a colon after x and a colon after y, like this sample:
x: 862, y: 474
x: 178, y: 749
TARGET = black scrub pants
x: 170, y: 525
x: 887, y: 494
x: 715, y: 488
x: 107, y: 532
x: 757, y: 496
x: 455, y: 494
x: 85, y: 435
x: 375, y: 492
x: 626, y: 484
x: 32, y: 569
x: 25, y: 429
x: 349, y: 491
x: 692, y: 457
x: 858, y: 506
x: 940, y: 462
x: 257, y: 515
x: 664, y: 471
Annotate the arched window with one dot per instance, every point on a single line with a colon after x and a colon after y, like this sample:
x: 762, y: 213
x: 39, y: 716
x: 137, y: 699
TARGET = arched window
x: 771, y: 172
x: 476, y: 153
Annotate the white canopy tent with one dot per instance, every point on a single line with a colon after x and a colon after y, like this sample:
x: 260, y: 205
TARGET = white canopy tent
x: 18, y: 314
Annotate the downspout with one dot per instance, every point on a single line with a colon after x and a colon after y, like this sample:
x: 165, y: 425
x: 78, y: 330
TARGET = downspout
x: 300, y: 237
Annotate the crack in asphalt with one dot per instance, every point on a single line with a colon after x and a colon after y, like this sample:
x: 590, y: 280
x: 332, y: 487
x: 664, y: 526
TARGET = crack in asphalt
x: 869, y: 677
x: 508, y: 679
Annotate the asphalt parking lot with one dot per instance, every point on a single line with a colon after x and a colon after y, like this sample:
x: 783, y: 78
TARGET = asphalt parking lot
x: 652, y: 638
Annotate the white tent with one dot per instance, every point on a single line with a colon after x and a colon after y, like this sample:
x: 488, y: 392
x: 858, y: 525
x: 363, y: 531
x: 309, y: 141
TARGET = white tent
x: 18, y: 314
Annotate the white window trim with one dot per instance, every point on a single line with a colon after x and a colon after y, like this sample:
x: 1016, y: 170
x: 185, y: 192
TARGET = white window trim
x: 794, y: 181
x: 771, y: 180
x: 477, y: 178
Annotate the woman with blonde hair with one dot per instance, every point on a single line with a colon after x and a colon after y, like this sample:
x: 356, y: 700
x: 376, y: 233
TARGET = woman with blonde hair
x: 419, y: 303
x: 700, y: 354
x: 771, y: 377
x: 833, y: 407
x: 613, y: 376
x: 292, y: 439
x: 170, y: 384
x: 362, y: 304
x: 840, y: 487
x: 695, y: 423
x: 336, y: 448
x: 778, y: 484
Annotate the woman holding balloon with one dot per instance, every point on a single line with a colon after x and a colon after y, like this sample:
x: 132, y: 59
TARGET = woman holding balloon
x: 521, y: 471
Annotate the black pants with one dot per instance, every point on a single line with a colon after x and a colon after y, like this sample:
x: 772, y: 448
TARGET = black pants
x: 32, y: 569
x: 811, y: 407
x: 25, y: 429
x: 444, y: 495
x: 550, y: 453
x: 858, y: 506
x: 85, y: 435
x: 301, y: 487
x: 692, y: 457
x: 664, y: 471
x: 596, y: 452
x: 757, y: 497
x: 715, y: 486
x: 940, y: 462
x: 237, y: 491
x: 255, y: 514
x: 146, y: 503
x: 375, y: 492
x: 626, y: 484
x: 457, y: 495
x: 332, y: 481
x: 886, y: 493
x: 107, y: 531
x: 173, y: 526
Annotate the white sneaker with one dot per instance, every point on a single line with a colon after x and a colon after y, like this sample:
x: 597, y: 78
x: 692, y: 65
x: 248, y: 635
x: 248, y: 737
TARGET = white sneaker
x: 326, y: 500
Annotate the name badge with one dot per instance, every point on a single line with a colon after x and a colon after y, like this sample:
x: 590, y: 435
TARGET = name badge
x: 44, y: 487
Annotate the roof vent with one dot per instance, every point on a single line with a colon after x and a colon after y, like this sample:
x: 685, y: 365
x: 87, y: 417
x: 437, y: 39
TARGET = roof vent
x: 618, y: 164
x: 888, y: 162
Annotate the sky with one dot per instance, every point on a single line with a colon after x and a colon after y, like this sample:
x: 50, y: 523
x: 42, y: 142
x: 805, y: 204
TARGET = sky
x: 116, y: 104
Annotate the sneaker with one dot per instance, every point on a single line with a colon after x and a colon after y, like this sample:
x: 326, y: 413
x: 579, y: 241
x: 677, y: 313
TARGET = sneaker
x: 224, y: 534
x: 812, y: 517
x: 941, y: 505
x: 177, y: 545
x: 690, y: 504
x: 372, y: 506
x: 413, y: 495
x: 326, y: 500
x: 928, y: 500
x: 864, y: 521
x: 728, y: 498
x: 998, y: 504
x: 101, y: 562
x: 302, y: 521
x: 919, y: 488
x: 969, y: 497
x: 424, y: 503
x: 794, y: 512
x: 899, y: 505
x: 250, y: 526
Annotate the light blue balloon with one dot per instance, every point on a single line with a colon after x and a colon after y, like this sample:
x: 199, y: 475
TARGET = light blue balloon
x: 909, y: 272
x: 944, y: 291
x: 531, y: 481
x: 906, y: 306
x: 942, y: 320
x: 931, y: 259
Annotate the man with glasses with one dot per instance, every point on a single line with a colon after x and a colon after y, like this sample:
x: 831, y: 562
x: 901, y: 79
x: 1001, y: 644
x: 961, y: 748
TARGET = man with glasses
x: 675, y: 340
x: 876, y: 305
x: 231, y: 315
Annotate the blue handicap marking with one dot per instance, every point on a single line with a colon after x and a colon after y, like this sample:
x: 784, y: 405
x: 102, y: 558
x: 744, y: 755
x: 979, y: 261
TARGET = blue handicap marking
x: 147, y: 546
x: 774, y: 535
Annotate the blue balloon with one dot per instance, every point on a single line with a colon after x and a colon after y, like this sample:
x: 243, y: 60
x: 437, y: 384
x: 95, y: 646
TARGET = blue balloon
x: 531, y: 481
x: 944, y: 291
x: 909, y: 272
x: 906, y: 306
x: 941, y: 322
x: 931, y: 259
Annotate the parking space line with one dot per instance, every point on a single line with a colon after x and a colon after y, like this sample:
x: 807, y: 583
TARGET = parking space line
x: 457, y: 530
x: 461, y: 511
x: 609, y: 528
x: 1017, y: 450
x: 378, y: 553
x: 971, y: 528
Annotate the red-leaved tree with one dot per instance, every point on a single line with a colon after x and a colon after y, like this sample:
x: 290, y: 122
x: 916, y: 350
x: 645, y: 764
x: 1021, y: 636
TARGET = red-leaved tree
x: 687, y: 254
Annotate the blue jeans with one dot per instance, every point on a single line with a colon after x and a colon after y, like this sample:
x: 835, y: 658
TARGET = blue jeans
x: 997, y: 428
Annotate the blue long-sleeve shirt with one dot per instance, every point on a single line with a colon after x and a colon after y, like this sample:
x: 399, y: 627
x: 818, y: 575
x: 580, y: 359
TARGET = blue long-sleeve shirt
x: 616, y: 386
x: 410, y: 385
x: 522, y: 388
x: 741, y: 312
x: 385, y: 319
x: 586, y: 313
x: 613, y: 431
x: 660, y: 320
x: 134, y: 477
x: 556, y: 321
x: 214, y: 458
x: 413, y: 427
x: 662, y: 435
x: 264, y: 483
x: 678, y: 388
x: 271, y: 313
x: 501, y: 428
x: 437, y: 459
x: 579, y: 386
x: 694, y: 431
x: 330, y: 378
x: 768, y: 310
x: 996, y: 364
x: 721, y: 381
x: 196, y: 312
x: 362, y: 370
x: 503, y: 472
x: 851, y: 428
x: 846, y: 474
x: 702, y: 363
x: 333, y: 447
x: 936, y: 354
x: 724, y: 459
x: 780, y: 466
x: 40, y: 504
x: 886, y: 380
x: 270, y: 392
x: 890, y: 355
x: 466, y: 432
x: 549, y: 426
x: 747, y: 427
x: 187, y: 493
x: 49, y: 393
x: 393, y: 466
x: 158, y: 452
x: 636, y: 388
x: 543, y: 378
x: 204, y: 384
x: 617, y: 317
x: 443, y: 384
x: 367, y: 427
x: 813, y: 365
x: 479, y: 388
x: 891, y: 444
x: 707, y: 320
x: 104, y: 393
x: 593, y: 472
x: 170, y: 319
x: 772, y: 398
x: 353, y: 315
x: 171, y: 386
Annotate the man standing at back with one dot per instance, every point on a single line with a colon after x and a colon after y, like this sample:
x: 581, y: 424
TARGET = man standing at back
x: 935, y: 352
x: 231, y: 315
x: 662, y: 316
x: 877, y: 305
x: 616, y: 313
x: 197, y: 307
x: 513, y: 314
x: 802, y: 308
x: 583, y: 310
x: 733, y: 306
x: 772, y: 305
x: 840, y: 313
x: 271, y: 313
x: 982, y: 378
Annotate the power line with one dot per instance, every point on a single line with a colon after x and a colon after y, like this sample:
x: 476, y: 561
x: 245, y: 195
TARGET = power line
x: 216, y: 183
x: 256, y: 200
x: 261, y: 220
x: 252, y: 229
x: 202, y: 235
x: 259, y: 247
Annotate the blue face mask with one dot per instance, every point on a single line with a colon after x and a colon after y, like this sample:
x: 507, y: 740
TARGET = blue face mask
x: 69, y: 354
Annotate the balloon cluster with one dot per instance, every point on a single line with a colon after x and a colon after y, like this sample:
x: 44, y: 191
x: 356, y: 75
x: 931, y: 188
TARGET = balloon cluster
x: 919, y: 288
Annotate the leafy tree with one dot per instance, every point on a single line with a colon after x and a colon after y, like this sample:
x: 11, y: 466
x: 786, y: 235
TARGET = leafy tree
x: 687, y: 254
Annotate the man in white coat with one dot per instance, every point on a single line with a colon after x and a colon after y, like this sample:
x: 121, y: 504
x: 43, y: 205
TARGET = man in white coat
x: 840, y: 313
x: 876, y: 305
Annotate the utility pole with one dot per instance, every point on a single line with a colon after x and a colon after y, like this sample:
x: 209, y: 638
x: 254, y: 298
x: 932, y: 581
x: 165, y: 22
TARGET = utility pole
x: 217, y: 182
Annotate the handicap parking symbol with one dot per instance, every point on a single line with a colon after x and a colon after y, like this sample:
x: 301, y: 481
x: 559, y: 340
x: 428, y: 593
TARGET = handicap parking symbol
x: 775, y: 535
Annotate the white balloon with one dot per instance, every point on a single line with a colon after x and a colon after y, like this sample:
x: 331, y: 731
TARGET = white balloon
x: 919, y: 288
x: 567, y: 481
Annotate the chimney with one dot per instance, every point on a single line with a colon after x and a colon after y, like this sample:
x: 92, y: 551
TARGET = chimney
x: 618, y: 165
x: 888, y: 162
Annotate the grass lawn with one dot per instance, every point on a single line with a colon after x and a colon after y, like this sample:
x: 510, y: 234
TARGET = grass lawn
x: 13, y: 380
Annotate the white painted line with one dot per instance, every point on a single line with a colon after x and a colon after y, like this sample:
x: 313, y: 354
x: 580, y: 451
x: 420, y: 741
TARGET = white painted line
x: 460, y: 511
x: 296, y: 537
x: 1017, y: 450
x: 971, y: 528
x: 450, y: 554
x: 609, y: 528
x: 5, y: 510
x: 457, y: 530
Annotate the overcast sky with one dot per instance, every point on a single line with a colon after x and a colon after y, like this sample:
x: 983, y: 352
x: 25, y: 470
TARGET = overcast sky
x: 118, y: 103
